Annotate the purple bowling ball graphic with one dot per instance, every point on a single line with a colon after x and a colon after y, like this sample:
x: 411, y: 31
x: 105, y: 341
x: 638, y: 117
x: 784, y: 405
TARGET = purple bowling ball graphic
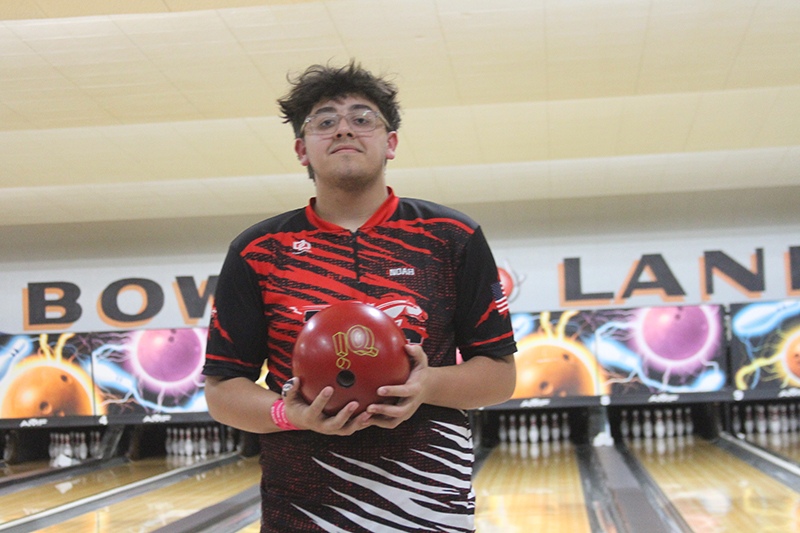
x: 675, y: 333
x: 168, y: 359
x: 677, y: 339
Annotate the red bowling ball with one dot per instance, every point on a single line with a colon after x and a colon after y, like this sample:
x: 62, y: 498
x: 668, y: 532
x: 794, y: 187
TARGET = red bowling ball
x: 353, y: 347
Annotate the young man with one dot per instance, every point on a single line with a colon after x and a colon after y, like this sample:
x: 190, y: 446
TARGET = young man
x: 404, y: 466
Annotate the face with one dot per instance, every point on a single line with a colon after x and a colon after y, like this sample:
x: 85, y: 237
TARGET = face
x: 346, y: 159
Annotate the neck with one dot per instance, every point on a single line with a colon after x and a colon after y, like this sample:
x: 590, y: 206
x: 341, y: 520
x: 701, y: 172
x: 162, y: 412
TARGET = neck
x: 349, y: 209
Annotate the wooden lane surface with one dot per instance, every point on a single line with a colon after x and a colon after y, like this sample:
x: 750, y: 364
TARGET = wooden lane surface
x: 157, y: 508
x: 523, y: 488
x: 10, y: 470
x: 46, y: 496
x: 717, y: 492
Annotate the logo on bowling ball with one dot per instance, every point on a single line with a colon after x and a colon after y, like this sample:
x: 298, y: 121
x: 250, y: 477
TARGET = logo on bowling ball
x: 354, y: 348
x: 359, y: 340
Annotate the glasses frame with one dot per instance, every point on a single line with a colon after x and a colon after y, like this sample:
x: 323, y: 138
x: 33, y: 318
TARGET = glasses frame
x: 356, y: 112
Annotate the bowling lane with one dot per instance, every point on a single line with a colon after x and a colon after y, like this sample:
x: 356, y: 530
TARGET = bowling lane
x: 22, y: 468
x: 530, y: 487
x: 715, y: 491
x: 160, y: 507
x: 46, y: 496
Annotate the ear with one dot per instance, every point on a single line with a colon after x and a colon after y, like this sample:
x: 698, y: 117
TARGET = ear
x: 391, y: 144
x: 300, y: 150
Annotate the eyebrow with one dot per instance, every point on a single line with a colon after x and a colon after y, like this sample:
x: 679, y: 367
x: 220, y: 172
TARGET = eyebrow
x: 331, y: 109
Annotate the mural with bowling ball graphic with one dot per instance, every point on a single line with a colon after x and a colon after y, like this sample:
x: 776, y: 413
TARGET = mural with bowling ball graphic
x: 150, y: 371
x: 765, y: 345
x: 552, y: 357
x: 672, y: 349
x: 45, y: 376
x: 108, y: 373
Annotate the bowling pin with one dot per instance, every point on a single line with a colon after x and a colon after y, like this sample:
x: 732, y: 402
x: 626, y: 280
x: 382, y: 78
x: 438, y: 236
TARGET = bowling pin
x: 784, y: 418
x: 647, y: 427
x: 555, y: 427
x: 68, y: 452
x: 83, y: 449
x: 216, y: 443
x: 203, y: 443
x: 195, y: 441
x: 7, y: 447
x: 522, y: 431
x: 687, y: 414
x: 565, y: 429
x: 774, y: 419
x: 624, y: 425
x: 736, y: 423
x: 230, y: 441
x: 636, y: 425
x: 749, y: 424
x: 188, y: 445
x: 659, y: 425
x: 680, y: 428
x: 544, y: 430
x: 502, y: 430
x: 51, y: 449
x: 669, y: 423
x: 533, y: 429
x: 792, y: 417
x: 98, y: 444
x: 512, y: 428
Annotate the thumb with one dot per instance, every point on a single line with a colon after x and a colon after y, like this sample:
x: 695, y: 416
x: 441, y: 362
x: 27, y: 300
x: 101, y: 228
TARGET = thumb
x: 290, y: 388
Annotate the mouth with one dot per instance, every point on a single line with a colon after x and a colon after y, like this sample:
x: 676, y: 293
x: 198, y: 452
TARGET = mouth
x: 347, y: 149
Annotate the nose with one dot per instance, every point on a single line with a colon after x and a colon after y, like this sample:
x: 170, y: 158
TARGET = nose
x: 344, y: 129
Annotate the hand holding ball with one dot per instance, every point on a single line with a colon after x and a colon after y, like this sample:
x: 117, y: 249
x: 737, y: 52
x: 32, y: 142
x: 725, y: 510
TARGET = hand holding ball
x: 353, y: 347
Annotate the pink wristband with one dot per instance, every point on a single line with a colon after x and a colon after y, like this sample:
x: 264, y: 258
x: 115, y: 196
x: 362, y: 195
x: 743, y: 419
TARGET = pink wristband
x: 278, y: 412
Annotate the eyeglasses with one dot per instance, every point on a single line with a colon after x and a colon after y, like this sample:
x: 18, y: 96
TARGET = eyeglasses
x: 360, y: 121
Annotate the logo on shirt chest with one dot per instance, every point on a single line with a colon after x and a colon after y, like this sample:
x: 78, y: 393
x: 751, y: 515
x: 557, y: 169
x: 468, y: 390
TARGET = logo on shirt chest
x: 300, y: 247
x: 404, y: 271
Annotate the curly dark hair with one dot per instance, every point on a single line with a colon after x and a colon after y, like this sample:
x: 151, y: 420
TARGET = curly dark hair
x: 321, y: 82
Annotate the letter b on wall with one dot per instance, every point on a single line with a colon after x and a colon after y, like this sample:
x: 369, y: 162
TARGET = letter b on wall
x: 51, y: 305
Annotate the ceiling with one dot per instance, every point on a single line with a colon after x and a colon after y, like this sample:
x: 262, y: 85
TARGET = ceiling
x: 142, y: 110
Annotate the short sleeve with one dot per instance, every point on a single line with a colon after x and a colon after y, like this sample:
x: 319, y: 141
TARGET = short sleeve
x: 237, y: 333
x: 482, y: 319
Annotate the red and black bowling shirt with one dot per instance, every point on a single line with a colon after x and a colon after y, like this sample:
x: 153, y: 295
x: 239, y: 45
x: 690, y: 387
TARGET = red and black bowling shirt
x: 429, y: 268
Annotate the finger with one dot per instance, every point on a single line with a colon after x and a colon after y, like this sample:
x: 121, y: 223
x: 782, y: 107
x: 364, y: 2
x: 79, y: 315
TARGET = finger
x: 341, y: 418
x: 386, y: 410
x: 288, y: 386
x: 321, y: 400
x: 417, y: 354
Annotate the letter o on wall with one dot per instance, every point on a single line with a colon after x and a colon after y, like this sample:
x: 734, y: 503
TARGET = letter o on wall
x: 152, y: 302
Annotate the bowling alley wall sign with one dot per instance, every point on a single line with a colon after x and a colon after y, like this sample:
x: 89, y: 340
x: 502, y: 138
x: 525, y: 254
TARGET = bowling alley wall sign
x: 612, y: 273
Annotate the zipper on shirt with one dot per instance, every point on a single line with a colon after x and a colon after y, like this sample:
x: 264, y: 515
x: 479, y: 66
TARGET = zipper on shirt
x: 356, y: 265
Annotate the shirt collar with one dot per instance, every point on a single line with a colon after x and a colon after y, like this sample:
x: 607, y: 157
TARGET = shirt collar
x: 381, y: 215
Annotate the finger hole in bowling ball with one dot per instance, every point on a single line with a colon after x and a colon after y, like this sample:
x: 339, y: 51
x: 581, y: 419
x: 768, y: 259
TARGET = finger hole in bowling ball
x: 345, y: 378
